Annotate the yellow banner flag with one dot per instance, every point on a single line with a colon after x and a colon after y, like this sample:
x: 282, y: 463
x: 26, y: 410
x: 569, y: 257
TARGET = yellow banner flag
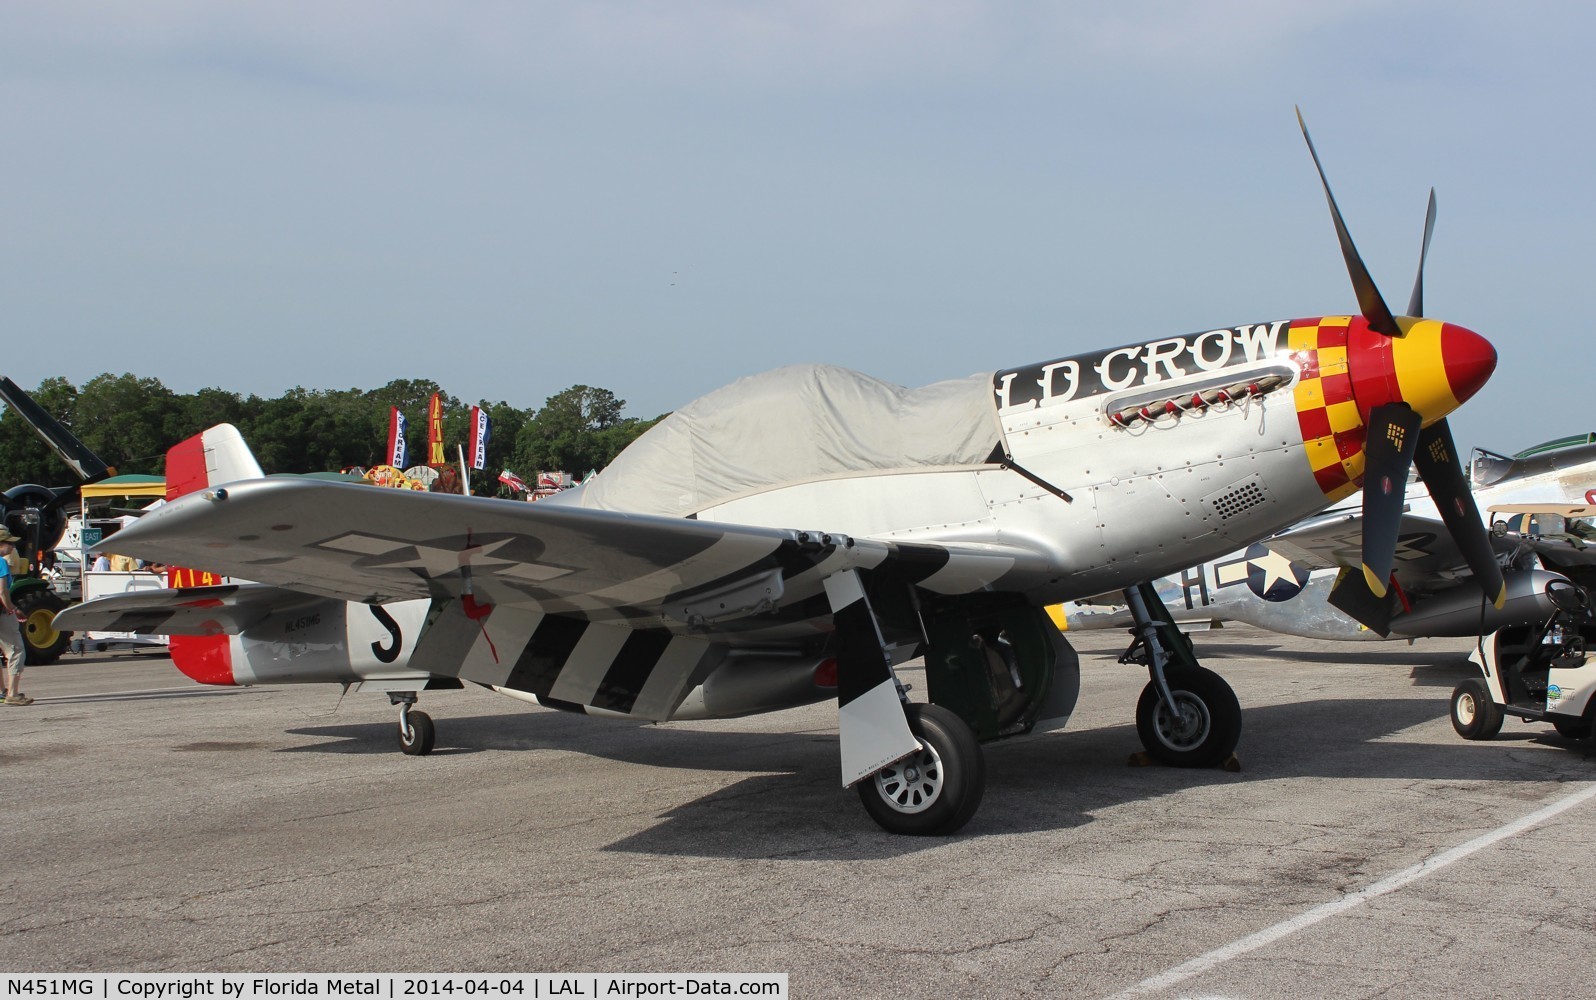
x: 435, y: 431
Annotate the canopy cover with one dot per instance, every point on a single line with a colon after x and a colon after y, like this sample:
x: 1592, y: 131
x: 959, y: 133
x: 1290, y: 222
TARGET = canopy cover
x: 795, y: 425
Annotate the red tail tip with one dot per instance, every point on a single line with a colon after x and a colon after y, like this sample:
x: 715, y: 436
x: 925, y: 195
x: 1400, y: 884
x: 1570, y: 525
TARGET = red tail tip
x: 205, y: 658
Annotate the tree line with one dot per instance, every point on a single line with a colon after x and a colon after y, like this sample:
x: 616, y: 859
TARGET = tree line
x: 130, y: 422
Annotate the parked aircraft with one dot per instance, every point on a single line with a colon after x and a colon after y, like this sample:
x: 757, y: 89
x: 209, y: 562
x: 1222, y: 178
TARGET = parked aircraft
x: 794, y: 536
x: 1283, y: 583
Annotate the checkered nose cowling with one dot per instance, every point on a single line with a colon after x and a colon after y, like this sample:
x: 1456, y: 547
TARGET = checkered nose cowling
x: 1332, y: 426
x: 1433, y: 368
x: 1347, y: 371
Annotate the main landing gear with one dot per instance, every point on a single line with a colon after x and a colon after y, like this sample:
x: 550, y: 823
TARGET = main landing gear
x: 1187, y: 716
x: 416, y: 732
x: 995, y: 667
x: 918, y: 768
x: 934, y: 790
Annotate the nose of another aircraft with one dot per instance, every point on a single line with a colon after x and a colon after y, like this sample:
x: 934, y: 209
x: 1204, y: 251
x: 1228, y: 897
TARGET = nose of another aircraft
x: 1433, y: 369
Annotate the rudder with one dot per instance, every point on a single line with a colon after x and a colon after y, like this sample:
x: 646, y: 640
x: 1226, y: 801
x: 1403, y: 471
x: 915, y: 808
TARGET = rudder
x: 212, y: 457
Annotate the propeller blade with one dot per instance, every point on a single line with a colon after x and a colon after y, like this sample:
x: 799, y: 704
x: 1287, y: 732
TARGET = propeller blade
x: 1370, y: 303
x: 1416, y: 303
x: 1438, y: 465
x: 1352, y: 595
x: 1393, y: 434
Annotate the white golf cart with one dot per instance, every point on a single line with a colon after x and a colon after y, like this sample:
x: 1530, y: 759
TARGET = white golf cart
x: 1542, y: 672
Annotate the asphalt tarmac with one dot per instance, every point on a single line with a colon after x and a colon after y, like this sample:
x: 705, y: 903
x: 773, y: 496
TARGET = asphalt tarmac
x: 1363, y: 850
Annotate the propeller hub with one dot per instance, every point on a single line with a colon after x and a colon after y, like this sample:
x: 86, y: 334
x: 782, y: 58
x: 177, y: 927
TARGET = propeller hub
x: 1432, y: 368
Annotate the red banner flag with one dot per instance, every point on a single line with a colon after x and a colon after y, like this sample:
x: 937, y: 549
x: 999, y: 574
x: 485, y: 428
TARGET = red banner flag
x: 513, y: 481
x: 435, y: 431
x: 481, y: 429
x: 398, y: 450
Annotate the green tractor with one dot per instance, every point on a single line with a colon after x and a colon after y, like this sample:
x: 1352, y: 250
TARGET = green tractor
x: 38, y: 516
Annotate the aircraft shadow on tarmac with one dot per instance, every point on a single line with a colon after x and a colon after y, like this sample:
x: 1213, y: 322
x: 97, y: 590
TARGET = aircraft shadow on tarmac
x: 1427, y: 667
x: 790, y: 804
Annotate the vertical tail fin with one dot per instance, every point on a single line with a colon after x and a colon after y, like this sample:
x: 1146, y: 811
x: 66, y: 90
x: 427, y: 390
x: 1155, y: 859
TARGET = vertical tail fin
x: 210, y: 458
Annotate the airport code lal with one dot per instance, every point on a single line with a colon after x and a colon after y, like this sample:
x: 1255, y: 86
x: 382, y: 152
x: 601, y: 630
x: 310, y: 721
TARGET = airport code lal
x: 395, y: 986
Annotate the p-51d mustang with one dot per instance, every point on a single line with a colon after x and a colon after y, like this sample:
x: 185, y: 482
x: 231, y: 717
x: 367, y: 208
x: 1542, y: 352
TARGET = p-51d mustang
x: 1285, y: 583
x: 794, y: 536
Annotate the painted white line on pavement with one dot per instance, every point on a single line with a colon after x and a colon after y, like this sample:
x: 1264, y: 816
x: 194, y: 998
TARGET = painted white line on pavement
x: 1391, y: 883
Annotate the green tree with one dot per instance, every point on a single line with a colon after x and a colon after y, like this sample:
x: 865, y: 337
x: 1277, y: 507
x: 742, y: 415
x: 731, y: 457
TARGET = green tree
x: 24, y: 457
x: 275, y: 431
x: 57, y: 397
x: 341, y: 428
x: 207, y: 408
x: 567, y: 433
x: 128, y: 421
x: 411, y: 396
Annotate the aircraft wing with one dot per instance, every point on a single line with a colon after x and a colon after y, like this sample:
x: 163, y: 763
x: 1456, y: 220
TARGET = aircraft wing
x: 221, y: 610
x: 366, y: 544
x: 1426, y: 555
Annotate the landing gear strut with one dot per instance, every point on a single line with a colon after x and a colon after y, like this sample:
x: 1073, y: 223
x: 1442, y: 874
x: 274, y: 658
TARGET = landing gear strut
x: 416, y: 732
x: 918, y: 768
x: 1187, y: 716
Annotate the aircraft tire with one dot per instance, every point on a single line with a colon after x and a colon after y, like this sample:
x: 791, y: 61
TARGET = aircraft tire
x: 41, y: 642
x: 936, y: 790
x: 1474, y: 715
x: 1204, y: 730
x: 417, y: 741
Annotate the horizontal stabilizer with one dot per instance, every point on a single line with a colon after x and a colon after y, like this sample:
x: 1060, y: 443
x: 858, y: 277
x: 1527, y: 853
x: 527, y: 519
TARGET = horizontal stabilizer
x: 224, y: 610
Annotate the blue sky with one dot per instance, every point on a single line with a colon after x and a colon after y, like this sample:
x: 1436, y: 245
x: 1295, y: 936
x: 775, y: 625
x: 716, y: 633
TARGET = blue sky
x: 656, y: 198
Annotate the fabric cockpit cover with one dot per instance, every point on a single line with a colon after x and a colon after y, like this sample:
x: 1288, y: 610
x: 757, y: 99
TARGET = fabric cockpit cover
x: 793, y: 425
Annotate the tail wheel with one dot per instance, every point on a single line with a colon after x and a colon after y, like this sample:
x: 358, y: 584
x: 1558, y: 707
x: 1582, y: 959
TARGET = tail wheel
x: 1474, y: 715
x: 416, y: 733
x: 42, y: 642
x: 1202, y: 727
x: 935, y: 790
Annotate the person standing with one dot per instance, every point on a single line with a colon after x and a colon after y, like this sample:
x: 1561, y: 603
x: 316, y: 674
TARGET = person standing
x: 10, y: 634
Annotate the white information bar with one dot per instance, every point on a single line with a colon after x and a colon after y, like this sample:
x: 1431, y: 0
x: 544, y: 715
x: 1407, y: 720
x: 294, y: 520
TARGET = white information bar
x: 391, y: 985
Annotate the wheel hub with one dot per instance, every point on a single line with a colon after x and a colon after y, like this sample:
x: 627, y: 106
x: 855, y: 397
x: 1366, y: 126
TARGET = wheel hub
x: 913, y: 784
x: 39, y: 627
x: 1186, y: 725
x: 1466, y: 709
